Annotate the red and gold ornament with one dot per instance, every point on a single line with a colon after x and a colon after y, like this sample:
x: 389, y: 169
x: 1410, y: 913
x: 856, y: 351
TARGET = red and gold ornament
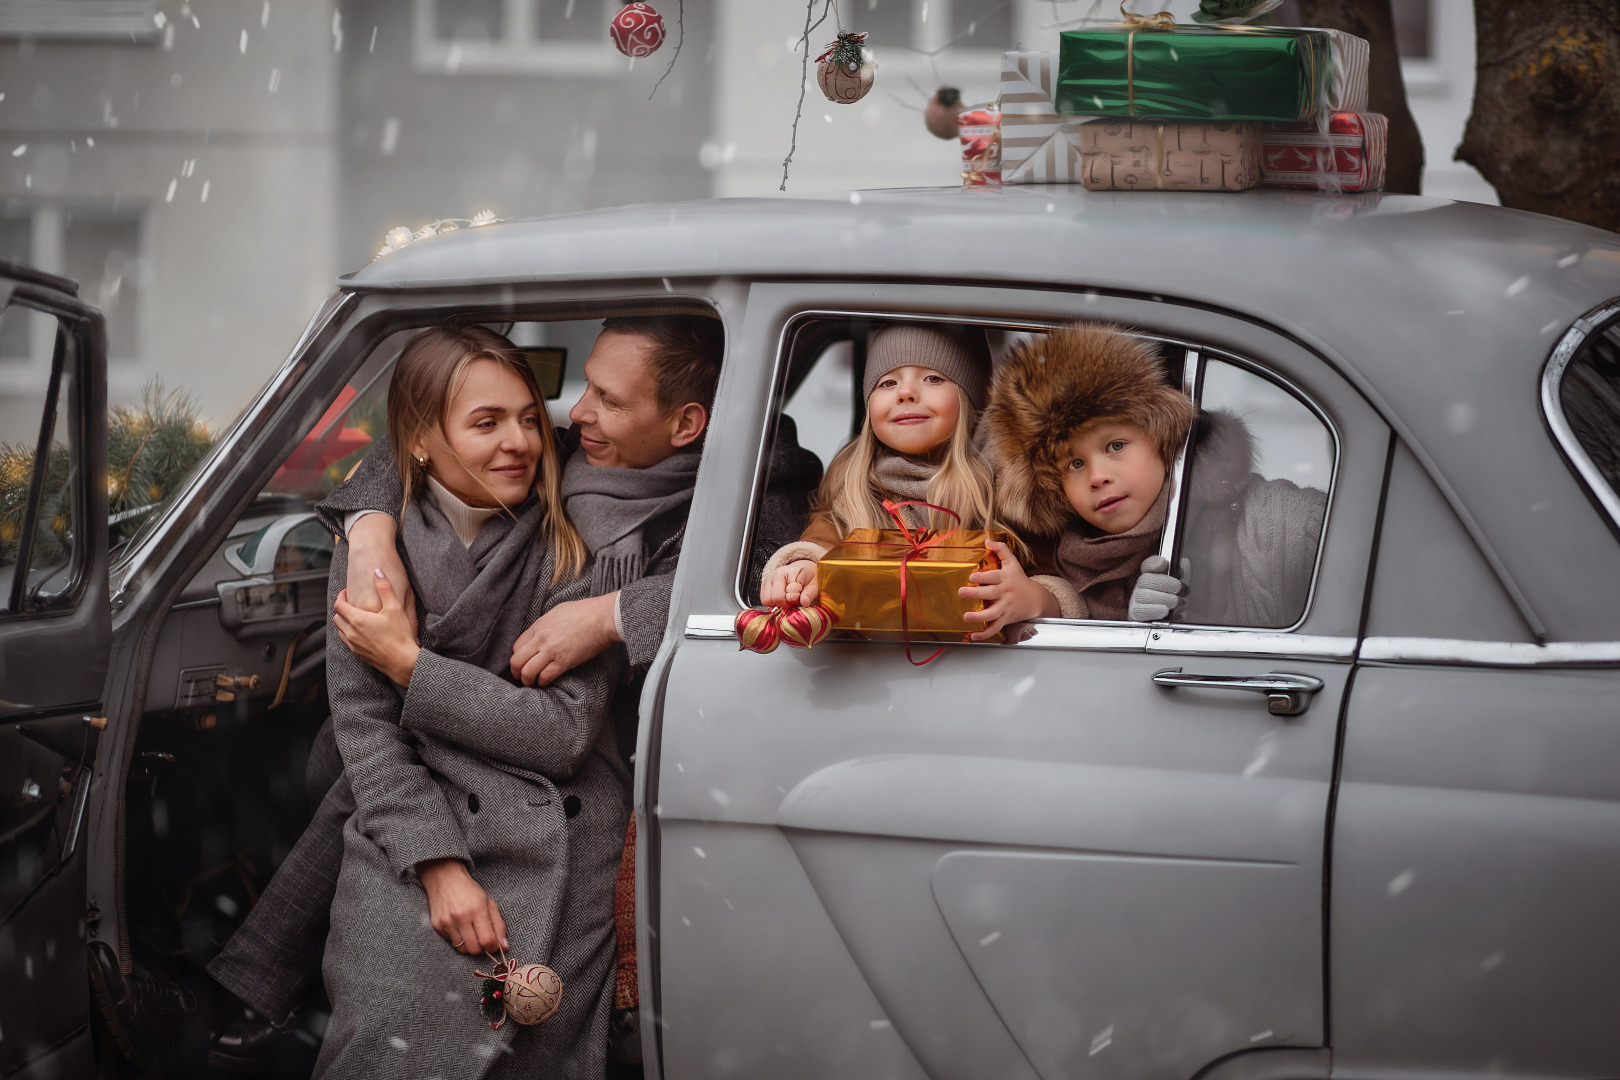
x: 637, y: 30
x: 761, y: 630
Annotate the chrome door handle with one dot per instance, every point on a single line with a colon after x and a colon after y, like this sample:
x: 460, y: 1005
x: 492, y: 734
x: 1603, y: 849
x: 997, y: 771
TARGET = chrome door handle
x: 1287, y: 694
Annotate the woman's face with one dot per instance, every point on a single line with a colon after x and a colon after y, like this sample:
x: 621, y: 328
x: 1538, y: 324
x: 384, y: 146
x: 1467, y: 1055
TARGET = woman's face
x: 491, y: 444
x: 914, y: 410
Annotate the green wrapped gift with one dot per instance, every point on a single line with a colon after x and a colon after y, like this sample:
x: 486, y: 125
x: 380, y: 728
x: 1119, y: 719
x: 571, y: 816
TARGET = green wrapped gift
x: 1184, y: 72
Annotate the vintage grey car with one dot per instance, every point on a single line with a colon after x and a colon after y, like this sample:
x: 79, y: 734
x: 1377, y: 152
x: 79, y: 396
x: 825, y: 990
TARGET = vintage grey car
x: 1381, y: 841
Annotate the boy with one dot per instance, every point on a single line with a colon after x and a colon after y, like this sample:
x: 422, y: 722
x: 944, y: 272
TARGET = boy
x: 1082, y: 430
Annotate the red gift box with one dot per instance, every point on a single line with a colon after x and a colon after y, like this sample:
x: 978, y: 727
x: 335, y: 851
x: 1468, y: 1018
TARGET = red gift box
x: 1349, y: 157
x: 980, y: 136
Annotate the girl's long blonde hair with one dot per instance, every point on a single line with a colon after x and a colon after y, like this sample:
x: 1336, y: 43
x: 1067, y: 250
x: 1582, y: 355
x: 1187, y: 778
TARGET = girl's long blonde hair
x: 850, y: 498
x: 425, y: 379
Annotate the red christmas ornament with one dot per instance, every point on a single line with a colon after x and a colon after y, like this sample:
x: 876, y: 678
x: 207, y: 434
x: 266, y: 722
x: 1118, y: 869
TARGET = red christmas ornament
x: 758, y: 630
x: 803, y: 627
x: 637, y: 30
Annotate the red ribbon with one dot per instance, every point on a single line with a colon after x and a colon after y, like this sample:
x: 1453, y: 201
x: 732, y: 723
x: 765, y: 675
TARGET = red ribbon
x: 916, y: 543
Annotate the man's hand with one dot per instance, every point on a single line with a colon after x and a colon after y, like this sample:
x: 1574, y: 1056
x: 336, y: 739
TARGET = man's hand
x: 459, y: 909
x: 792, y: 583
x: 384, y: 639
x: 1008, y: 594
x: 564, y: 638
x: 371, y: 547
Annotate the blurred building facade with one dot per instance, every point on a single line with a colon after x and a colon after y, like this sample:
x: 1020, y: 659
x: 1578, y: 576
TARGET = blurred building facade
x: 205, y: 169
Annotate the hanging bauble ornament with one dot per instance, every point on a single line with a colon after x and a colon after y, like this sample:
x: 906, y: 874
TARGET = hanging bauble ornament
x: 845, y: 71
x: 758, y: 630
x: 637, y: 30
x: 804, y: 627
x: 939, y: 115
x: 528, y: 993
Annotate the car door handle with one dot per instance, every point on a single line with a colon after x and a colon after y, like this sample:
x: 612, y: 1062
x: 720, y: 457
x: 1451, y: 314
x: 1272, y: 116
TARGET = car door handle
x: 1287, y: 694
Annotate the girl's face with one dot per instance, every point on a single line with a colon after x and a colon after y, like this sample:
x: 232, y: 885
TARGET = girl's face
x: 1113, y: 475
x: 914, y: 410
x: 491, y: 444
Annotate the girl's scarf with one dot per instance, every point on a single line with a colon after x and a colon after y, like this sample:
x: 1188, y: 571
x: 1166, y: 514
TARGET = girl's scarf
x: 902, y: 477
x: 1103, y: 567
x: 476, y: 599
x: 612, y: 506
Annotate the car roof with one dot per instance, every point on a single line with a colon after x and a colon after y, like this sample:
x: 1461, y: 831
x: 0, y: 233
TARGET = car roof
x: 1443, y: 313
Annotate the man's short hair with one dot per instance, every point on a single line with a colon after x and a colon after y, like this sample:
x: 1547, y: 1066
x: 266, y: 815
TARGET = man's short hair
x: 685, y: 355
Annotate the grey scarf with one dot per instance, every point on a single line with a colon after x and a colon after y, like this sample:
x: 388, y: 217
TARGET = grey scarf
x: 1102, y: 567
x: 902, y: 478
x: 477, y: 598
x: 611, y: 506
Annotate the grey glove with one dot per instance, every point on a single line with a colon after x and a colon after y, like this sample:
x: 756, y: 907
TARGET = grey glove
x: 1157, y: 595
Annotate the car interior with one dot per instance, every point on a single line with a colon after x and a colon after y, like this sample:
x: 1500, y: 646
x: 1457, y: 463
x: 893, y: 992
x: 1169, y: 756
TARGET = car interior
x: 216, y: 797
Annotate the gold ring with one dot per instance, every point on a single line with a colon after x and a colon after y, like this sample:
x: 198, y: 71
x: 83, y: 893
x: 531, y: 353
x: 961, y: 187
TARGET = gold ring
x: 458, y: 944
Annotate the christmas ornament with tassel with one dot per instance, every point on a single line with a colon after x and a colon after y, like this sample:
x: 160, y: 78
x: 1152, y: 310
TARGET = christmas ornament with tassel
x: 846, y: 70
x: 528, y: 993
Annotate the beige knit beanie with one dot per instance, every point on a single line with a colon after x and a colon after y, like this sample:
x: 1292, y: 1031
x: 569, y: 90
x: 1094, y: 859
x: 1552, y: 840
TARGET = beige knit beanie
x: 958, y: 353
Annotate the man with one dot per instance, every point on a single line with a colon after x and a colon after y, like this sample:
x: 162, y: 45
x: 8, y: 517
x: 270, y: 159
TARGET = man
x: 632, y: 459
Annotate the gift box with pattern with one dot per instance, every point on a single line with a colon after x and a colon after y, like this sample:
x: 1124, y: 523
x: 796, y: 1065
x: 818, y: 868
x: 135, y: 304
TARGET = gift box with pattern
x: 1349, y: 156
x: 979, y: 132
x: 1187, y: 72
x: 1169, y: 155
x: 860, y: 581
x: 1038, y: 146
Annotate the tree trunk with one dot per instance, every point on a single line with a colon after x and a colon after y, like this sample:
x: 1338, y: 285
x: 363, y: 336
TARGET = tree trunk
x: 1545, y: 127
x: 1386, y: 88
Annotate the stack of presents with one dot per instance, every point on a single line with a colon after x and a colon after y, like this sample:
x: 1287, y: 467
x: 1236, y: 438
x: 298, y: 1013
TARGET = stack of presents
x: 1153, y: 105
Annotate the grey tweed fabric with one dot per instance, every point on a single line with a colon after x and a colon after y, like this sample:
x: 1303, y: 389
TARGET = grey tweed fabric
x: 465, y: 764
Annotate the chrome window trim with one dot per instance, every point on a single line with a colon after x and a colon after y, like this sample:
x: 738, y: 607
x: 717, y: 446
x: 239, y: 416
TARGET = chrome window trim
x: 1416, y: 650
x: 711, y: 627
x: 1552, y: 407
x: 1202, y: 641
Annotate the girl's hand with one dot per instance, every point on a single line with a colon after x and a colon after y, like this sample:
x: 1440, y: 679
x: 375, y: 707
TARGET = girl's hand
x: 459, y: 909
x: 371, y: 547
x: 384, y: 639
x: 1008, y: 594
x: 794, y: 583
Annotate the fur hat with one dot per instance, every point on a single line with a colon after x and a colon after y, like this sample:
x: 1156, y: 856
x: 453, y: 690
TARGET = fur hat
x: 958, y: 353
x: 1050, y: 387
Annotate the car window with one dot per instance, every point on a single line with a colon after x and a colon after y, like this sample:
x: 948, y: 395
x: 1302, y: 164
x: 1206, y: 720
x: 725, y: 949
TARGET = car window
x: 40, y: 500
x: 1589, y: 399
x: 1254, y: 499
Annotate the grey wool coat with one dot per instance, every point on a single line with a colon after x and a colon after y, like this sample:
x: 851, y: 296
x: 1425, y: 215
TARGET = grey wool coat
x: 465, y: 764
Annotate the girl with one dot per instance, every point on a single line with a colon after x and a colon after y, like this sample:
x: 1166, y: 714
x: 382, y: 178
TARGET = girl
x: 924, y: 388
x: 490, y: 815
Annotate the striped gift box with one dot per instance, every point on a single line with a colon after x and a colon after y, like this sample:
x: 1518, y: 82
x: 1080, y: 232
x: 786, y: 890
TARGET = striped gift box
x: 1349, y: 156
x: 1349, y: 90
x: 1037, y: 145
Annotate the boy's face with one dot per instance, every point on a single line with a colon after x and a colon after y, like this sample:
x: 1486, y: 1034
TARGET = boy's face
x: 1113, y: 474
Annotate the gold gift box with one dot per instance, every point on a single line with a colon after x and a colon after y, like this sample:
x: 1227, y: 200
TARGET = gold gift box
x: 860, y: 584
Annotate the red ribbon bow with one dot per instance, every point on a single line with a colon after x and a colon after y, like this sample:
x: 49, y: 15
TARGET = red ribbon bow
x: 917, y: 543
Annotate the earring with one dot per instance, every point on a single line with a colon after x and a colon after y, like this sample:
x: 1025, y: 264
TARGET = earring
x: 422, y: 461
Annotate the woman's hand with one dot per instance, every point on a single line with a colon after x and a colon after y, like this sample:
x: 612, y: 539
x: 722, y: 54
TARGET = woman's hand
x: 384, y: 639
x: 459, y: 909
x: 789, y: 584
x: 371, y: 547
x: 1008, y: 594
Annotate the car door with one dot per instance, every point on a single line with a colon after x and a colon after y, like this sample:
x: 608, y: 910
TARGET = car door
x: 54, y: 640
x: 1054, y: 858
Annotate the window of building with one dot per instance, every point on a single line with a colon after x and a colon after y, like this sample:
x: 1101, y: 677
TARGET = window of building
x: 930, y: 25
x: 98, y: 247
x: 113, y: 20
x: 558, y: 37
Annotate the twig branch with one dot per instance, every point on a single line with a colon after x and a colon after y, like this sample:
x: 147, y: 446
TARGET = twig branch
x: 680, y: 39
x: 804, y: 77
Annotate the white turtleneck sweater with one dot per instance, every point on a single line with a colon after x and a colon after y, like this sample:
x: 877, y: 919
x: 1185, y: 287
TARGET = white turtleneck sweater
x: 466, y: 520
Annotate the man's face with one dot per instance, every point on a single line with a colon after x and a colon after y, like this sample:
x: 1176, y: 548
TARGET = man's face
x: 620, y: 424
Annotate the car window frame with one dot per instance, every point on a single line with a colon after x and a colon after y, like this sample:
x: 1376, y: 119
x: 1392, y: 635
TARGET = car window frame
x: 1195, y: 356
x: 1603, y: 497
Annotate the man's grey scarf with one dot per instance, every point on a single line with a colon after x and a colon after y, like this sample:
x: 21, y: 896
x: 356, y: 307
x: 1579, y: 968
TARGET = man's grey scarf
x: 477, y: 598
x: 611, y: 507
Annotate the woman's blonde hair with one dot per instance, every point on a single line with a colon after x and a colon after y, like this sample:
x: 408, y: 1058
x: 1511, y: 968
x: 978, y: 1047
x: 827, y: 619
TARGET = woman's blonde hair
x: 852, y: 500
x: 425, y: 380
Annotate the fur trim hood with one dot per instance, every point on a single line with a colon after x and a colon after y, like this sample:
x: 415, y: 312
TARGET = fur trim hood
x: 1050, y: 387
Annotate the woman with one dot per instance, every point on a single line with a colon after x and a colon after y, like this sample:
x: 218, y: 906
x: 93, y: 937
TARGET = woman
x: 490, y: 815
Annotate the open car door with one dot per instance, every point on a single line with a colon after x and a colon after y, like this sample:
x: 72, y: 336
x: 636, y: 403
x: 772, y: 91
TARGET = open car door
x: 55, y: 632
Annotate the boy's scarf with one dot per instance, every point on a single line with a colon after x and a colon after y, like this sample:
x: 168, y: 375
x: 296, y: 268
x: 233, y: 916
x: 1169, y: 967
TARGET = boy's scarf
x: 1103, y: 566
x: 611, y: 507
x: 476, y: 599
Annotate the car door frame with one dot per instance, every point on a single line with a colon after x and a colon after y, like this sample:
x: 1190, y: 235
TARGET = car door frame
x: 67, y: 648
x: 709, y: 582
